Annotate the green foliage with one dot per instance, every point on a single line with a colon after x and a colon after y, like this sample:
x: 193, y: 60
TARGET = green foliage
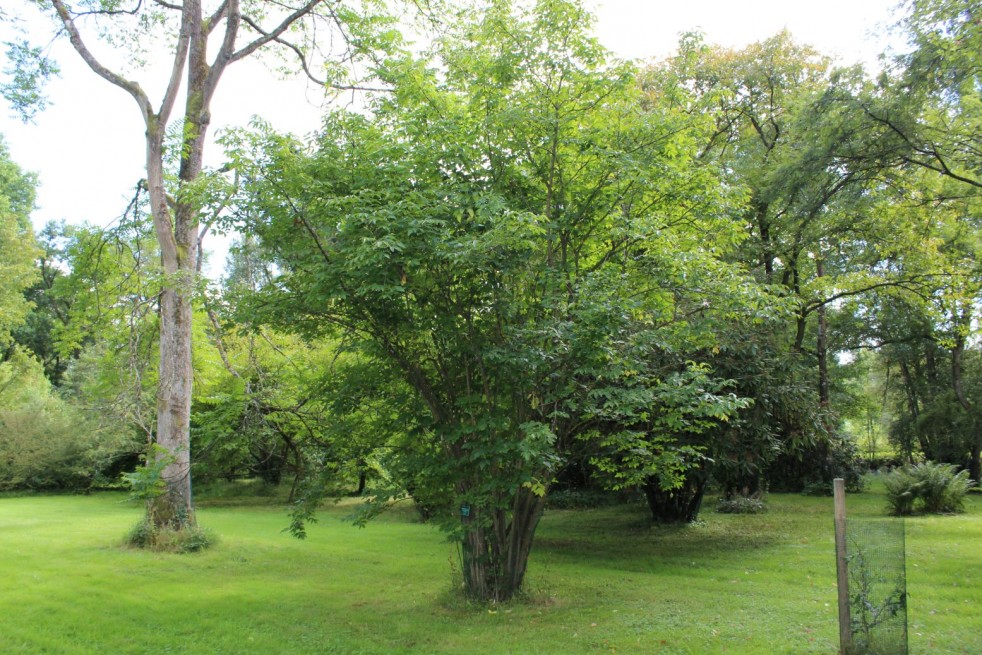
x: 50, y: 441
x: 28, y: 69
x: 902, y: 491
x: 928, y: 487
x: 872, y: 609
x: 146, y: 482
x: 942, y: 487
x: 813, y: 466
x: 106, y: 326
x: 49, y: 309
x: 141, y: 535
x: 18, y: 248
x: 45, y: 442
x: 504, y: 239
x: 929, y: 419
x: 818, y: 232
x: 663, y: 427
x: 582, y: 499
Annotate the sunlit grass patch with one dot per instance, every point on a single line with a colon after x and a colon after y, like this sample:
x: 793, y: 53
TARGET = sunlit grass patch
x: 600, y: 580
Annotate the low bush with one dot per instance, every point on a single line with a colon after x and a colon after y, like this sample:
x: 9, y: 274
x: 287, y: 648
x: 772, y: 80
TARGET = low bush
x: 187, y: 539
x: 901, y: 492
x: 46, y: 443
x: 930, y: 487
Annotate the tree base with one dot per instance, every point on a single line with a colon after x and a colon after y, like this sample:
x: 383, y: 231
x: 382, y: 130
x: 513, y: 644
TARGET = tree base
x: 167, y: 539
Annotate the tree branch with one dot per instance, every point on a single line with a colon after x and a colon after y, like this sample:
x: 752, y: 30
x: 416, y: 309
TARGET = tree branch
x: 224, y: 57
x: 114, y: 12
x: 277, y: 31
x: 941, y: 167
x: 220, y: 343
x: 215, y: 18
x: 180, y: 57
x: 299, y: 53
x: 113, y: 78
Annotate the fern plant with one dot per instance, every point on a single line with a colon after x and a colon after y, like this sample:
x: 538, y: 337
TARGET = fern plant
x: 929, y: 487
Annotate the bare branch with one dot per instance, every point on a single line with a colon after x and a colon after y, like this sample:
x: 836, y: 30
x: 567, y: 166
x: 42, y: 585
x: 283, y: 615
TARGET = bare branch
x: 224, y: 57
x: 180, y: 57
x: 939, y: 166
x: 913, y: 285
x: 277, y: 31
x: 297, y: 51
x: 113, y: 12
x: 216, y: 18
x: 220, y: 343
x: 129, y: 86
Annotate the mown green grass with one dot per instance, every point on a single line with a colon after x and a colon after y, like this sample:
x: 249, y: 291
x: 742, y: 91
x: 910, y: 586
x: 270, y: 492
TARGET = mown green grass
x: 600, y: 581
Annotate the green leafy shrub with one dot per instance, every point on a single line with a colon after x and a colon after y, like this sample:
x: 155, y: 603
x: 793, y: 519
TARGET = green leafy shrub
x: 817, y: 489
x: 45, y: 443
x: 141, y: 535
x: 928, y: 487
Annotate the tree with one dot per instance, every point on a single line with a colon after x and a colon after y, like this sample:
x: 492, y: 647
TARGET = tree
x: 109, y: 327
x: 17, y: 246
x: 50, y: 309
x: 45, y: 443
x: 821, y: 226
x: 235, y: 30
x: 921, y: 122
x: 929, y: 116
x: 926, y: 110
x: 509, y: 236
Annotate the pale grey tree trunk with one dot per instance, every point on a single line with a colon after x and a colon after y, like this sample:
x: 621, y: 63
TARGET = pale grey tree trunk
x: 175, y: 507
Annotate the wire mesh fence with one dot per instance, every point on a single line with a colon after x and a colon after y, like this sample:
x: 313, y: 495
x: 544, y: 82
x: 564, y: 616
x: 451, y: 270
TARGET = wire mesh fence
x: 877, y: 573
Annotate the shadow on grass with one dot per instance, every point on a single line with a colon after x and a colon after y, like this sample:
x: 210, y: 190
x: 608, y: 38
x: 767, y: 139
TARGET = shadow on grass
x: 622, y: 538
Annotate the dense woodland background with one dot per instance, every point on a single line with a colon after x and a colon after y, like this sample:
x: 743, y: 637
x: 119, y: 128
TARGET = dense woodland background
x: 523, y: 269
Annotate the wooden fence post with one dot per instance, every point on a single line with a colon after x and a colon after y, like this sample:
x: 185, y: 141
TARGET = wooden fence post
x: 841, y: 565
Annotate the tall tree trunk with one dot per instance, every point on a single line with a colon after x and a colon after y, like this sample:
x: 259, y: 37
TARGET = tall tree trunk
x: 178, y: 239
x: 174, y: 508
x: 913, y: 406
x: 177, y: 224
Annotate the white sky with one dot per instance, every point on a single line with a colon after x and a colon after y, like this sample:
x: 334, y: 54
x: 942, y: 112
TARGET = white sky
x: 87, y: 146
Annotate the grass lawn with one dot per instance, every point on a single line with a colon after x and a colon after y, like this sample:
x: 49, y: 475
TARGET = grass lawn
x: 600, y: 581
